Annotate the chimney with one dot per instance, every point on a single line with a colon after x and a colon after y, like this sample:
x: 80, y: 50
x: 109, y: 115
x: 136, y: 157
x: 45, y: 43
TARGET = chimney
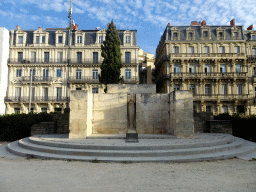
x: 199, y: 23
x: 250, y: 27
x: 194, y: 23
x: 17, y: 27
x: 232, y: 22
x: 76, y: 27
x: 38, y: 27
x: 169, y: 24
x: 203, y: 23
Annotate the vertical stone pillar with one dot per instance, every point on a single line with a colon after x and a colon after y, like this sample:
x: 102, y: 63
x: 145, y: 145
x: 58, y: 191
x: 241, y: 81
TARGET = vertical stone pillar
x: 181, y: 114
x: 78, y: 124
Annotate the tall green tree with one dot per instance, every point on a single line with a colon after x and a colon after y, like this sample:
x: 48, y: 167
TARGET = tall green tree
x: 112, y: 63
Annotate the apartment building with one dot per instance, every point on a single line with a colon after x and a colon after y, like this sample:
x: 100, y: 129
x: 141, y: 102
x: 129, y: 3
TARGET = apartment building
x: 4, y: 52
x: 217, y: 63
x: 45, y: 65
x: 146, y: 64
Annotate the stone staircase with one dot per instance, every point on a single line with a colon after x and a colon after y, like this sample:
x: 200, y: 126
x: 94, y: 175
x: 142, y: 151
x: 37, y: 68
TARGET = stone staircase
x: 151, y: 148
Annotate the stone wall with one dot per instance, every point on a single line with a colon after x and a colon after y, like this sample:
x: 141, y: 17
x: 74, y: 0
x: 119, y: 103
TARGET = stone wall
x: 200, y: 121
x: 152, y: 113
x: 43, y: 128
x: 135, y: 89
x: 109, y: 114
x: 220, y: 126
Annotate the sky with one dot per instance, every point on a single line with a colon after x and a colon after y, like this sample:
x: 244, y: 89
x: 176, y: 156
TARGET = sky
x: 148, y: 17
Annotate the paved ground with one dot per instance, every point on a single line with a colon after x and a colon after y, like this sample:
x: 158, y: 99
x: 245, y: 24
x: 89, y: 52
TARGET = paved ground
x: 18, y: 174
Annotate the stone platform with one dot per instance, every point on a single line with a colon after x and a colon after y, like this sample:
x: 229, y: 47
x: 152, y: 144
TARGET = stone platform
x: 150, y: 148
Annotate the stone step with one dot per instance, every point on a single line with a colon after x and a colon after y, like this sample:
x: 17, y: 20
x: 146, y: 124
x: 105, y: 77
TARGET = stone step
x: 144, y: 144
x: 24, y: 143
x: 246, y: 149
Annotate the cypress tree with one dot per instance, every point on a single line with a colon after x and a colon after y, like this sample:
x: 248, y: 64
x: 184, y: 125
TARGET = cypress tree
x: 112, y: 63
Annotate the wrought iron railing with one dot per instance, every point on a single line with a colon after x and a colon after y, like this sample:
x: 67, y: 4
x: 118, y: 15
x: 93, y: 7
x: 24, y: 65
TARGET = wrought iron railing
x: 210, y: 74
x: 130, y: 79
x: 85, y: 61
x: 221, y: 96
x: 251, y: 57
x: 36, y: 79
x: 83, y: 79
x: 206, y: 54
x: 39, y: 61
x: 36, y: 99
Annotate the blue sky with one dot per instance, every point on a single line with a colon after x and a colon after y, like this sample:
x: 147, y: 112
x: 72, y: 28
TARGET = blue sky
x: 149, y: 17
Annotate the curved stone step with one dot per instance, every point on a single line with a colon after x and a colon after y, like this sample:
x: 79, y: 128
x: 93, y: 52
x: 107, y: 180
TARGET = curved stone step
x: 14, y: 148
x: 24, y: 143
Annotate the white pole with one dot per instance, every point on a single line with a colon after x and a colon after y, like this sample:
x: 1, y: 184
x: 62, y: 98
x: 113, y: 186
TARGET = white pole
x: 29, y: 106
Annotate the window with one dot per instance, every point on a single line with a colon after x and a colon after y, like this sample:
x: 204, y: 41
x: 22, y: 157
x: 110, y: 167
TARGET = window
x: 46, y: 57
x: 95, y: 57
x: 222, y: 68
x: 17, y: 110
x: 128, y: 39
x: 33, y: 57
x: 238, y: 68
x: 43, y: 41
x: 79, y: 39
x: 45, y: 74
x: 176, y: 49
x: 17, y: 93
x: 127, y: 73
x: 60, y: 39
x: 175, y: 35
x: 57, y: 109
x: 18, y: 72
x: 220, y: 34
x: 224, y: 89
x: 32, y: 72
x: 95, y: 90
x: 33, y: 94
x: 205, y: 34
x: 37, y: 39
x: 253, y: 37
x: 31, y: 110
x: 20, y: 57
x: 208, y: 109
x: 190, y: 35
x: 100, y: 39
x: 78, y: 88
x: 59, y: 73
x: 20, y: 39
x: 190, y: 49
x: 95, y: 73
x: 45, y: 97
x: 176, y: 68
x: 207, y: 68
x: 253, y: 51
x: 78, y: 74
x: 59, y: 93
x: 224, y: 109
x: 206, y: 50
x: 221, y: 49
x: 176, y: 87
x: 235, y: 34
x: 239, y: 89
x: 79, y: 57
x: 237, y: 49
x: 127, y: 57
x: 207, y: 89
x: 44, y: 109
x: 192, y: 68
x: 59, y: 57
x: 192, y: 88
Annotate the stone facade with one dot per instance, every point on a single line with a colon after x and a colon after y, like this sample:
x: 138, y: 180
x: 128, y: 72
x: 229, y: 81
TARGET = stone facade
x: 110, y: 113
x: 61, y: 60
x: 216, y: 62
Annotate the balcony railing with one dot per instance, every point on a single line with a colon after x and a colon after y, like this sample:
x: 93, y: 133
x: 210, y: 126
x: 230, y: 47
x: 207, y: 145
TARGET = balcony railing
x: 37, y: 61
x: 251, y: 57
x: 36, y: 79
x: 130, y: 79
x: 207, y: 55
x: 207, y: 75
x: 36, y: 99
x: 220, y: 96
x: 83, y: 79
x: 85, y: 61
x: 129, y: 61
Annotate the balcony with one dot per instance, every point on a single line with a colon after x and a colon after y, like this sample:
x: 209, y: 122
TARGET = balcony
x: 36, y: 79
x: 130, y: 79
x: 226, y: 97
x: 85, y: 61
x: 251, y: 57
x: 130, y: 62
x: 35, y: 99
x: 83, y: 79
x: 206, y: 55
x: 37, y: 61
x: 211, y: 75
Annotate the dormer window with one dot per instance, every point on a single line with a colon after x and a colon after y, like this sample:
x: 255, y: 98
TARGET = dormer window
x: 235, y: 34
x: 220, y: 34
x: 128, y: 39
x: 205, y: 34
x: 20, y: 39
x: 253, y: 37
x: 37, y: 39
x: 79, y: 39
x: 175, y: 35
x: 100, y: 39
x: 43, y: 39
x: 190, y: 35
x: 60, y: 39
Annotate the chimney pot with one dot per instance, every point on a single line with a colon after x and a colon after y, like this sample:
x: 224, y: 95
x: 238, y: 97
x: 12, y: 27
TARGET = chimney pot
x: 17, y: 27
x: 232, y: 22
x: 169, y: 24
x: 250, y: 27
x: 76, y: 27
x: 38, y: 28
x: 203, y: 23
x: 194, y: 23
